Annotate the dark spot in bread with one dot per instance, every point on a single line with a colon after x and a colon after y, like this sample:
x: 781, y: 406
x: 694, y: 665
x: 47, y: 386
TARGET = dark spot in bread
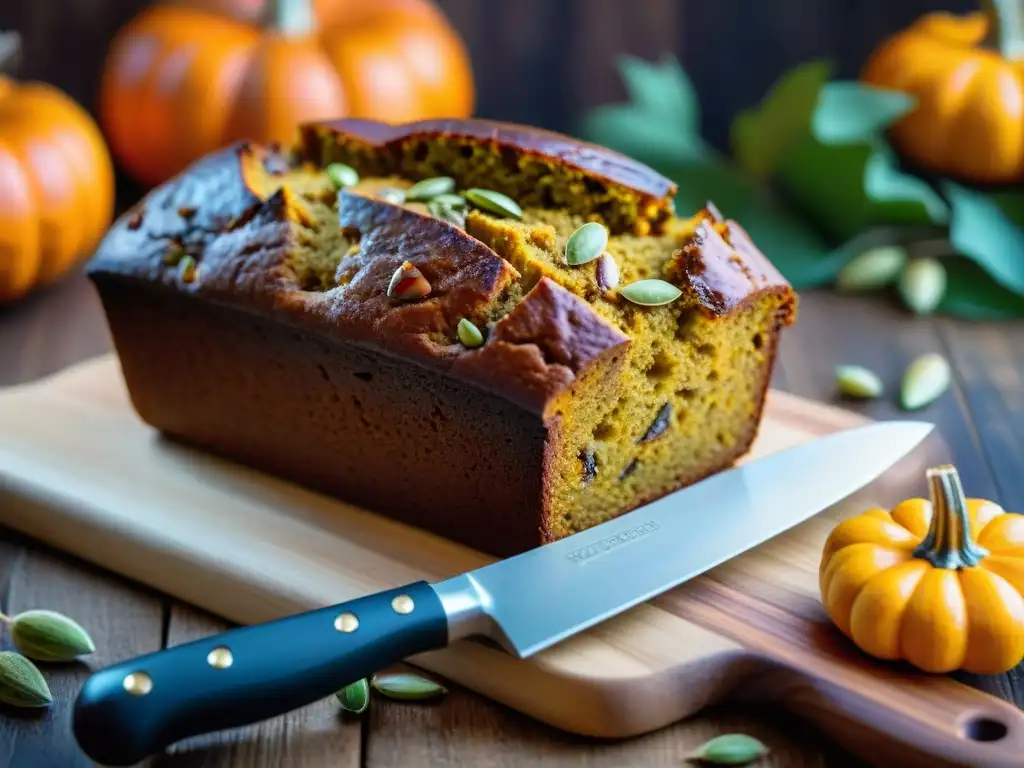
x: 659, y: 425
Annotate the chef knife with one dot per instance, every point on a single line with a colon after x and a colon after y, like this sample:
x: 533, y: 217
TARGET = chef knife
x: 525, y: 603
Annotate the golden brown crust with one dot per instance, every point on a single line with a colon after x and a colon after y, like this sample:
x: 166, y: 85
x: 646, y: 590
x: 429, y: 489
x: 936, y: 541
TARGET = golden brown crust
x: 591, y: 159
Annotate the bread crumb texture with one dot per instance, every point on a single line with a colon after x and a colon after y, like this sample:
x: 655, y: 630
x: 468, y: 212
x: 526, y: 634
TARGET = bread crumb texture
x: 637, y: 400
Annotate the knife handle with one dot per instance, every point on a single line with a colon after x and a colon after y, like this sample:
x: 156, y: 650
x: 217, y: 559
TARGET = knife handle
x: 129, y: 711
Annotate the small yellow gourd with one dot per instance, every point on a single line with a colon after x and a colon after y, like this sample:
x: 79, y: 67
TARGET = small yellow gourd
x: 939, y: 584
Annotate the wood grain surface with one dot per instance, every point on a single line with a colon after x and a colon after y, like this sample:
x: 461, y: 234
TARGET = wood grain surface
x: 464, y: 727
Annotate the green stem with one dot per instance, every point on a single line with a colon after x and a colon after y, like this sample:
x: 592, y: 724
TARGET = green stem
x: 949, y: 544
x: 4, y: 618
x: 290, y: 17
x: 1005, y: 27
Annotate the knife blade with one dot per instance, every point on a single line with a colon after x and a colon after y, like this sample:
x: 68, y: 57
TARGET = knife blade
x: 525, y: 603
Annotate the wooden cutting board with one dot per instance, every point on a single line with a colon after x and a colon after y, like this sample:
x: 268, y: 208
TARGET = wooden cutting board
x: 81, y: 472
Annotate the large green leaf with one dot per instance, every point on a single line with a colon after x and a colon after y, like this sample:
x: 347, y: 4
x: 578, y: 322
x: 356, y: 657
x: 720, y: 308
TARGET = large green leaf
x: 849, y: 112
x: 848, y: 188
x: 663, y: 91
x: 635, y: 133
x: 761, y: 136
x: 972, y: 295
x: 981, y: 230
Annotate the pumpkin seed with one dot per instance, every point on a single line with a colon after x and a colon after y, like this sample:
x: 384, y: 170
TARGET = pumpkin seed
x: 586, y: 243
x: 50, y: 636
x: 21, y: 682
x: 173, y: 255
x: 469, y: 334
x: 187, y: 269
x: 607, y: 272
x: 446, y: 213
x: 428, y: 189
x: 408, y: 283
x: 925, y: 379
x: 355, y: 697
x: 493, y: 202
x: 872, y: 269
x: 392, y: 195
x: 342, y: 175
x: 730, y: 749
x: 651, y: 293
x: 857, y: 381
x: 407, y: 687
x: 457, y: 202
x: 922, y: 285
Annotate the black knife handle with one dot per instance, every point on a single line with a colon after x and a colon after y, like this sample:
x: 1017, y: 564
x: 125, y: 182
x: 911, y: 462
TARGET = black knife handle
x: 132, y: 710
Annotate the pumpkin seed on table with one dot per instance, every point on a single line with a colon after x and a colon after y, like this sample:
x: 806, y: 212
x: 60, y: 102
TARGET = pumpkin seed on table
x: 21, y: 682
x: 46, y: 635
x: 404, y: 686
x: 607, y: 271
x: 872, y: 269
x: 342, y: 175
x: 858, y: 381
x: 586, y: 243
x: 355, y: 697
x: 924, y: 381
x: 922, y: 285
x: 493, y: 202
x: 469, y: 334
x: 651, y: 292
x: 427, y: 189
x: 730, y: 749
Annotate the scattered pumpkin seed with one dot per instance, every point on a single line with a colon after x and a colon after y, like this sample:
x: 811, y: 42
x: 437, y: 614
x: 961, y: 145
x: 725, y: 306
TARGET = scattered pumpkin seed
x: 391, y: 195
x: 342, y: 175
x: 607, y: 271
x: 469, y: 334
x: 49, y: 636
x: 408, y: 283
x: 493, y: 202
x: 187, y: 269
x: 925, y: 379
x: 355, y: 697
x: 730, y: 749
x: 404, y: 686
x: 858, y: 381
x: 651, y: 293
x: 872, y: 269
x: 457, y: 202
x: 922, y: 285
x: 427, y: 189
x: 447, y: 213
x: 586, y: 243
x: 21, y: 682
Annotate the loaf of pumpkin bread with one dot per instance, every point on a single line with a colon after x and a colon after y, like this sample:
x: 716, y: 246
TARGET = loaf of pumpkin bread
x: 415, y: 319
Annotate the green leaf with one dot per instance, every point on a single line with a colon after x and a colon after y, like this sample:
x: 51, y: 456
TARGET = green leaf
x: 847, y: 188
x: 761, y: 136
x: 972, y: 295
x: 662, y: 90
x: 632, y: 132
x: 981, y: 230
x: 849, y: 112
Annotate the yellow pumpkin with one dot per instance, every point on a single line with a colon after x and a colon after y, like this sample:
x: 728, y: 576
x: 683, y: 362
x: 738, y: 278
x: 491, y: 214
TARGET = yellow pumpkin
x: 939, y: 583
x: 967, y: 75
x: 56, y: 183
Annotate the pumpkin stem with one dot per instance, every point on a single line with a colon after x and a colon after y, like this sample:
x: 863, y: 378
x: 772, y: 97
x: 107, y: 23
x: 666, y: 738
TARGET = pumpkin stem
x: 1005, y: 27
x: 290, y: 17
x: 949, y: 544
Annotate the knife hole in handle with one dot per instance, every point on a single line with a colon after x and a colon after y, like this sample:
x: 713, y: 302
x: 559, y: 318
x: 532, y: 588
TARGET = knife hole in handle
x: 984, y: 729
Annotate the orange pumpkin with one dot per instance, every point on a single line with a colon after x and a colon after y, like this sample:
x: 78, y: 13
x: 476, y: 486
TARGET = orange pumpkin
x: 967, y: 74
x: 56, y: 184
x: 181, y: 81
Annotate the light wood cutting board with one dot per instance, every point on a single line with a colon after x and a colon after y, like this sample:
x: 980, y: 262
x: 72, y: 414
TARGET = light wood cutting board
x: 81, y: 472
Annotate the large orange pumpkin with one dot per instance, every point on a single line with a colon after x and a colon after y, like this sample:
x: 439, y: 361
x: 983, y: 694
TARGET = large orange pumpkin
x: 181, y: 80
x: 966, y: 73
x: 56, y: 184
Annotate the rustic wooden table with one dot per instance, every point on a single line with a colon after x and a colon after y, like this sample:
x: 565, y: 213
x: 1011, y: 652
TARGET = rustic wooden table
x: 982, y: 418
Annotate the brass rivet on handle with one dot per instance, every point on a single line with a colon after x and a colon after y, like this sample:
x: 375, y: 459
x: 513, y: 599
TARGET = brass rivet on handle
x: 220, y: 658
x: 138, y: 683
x: 402, y: 604
x: 346, y: 622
